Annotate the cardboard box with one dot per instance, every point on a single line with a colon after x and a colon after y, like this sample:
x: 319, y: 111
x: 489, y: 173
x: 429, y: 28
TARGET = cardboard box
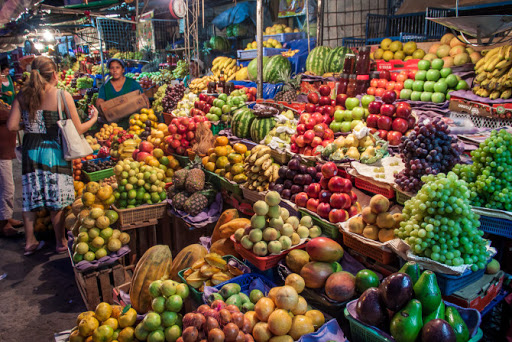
x: 397, y: 65
x: 479, y: 294
x: 461, y: 105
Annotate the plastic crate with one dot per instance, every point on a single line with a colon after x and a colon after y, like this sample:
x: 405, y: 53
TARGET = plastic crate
x: 370, y: 251
x: 197, y: 295
x: 251, y: 54
x: 280, y: 157
x: 482, y: 121
x: 401, y: 197
x: 496, y: 226
x: 143, y: 213
x: 448, y: 284
x: 384, y: 190
x: 245, y: 281
x: 217, y: 127
x: 98, y: 175
x: 328, y: 229
x: 230, y: 186
x: 298, y: 63
x: 284, y: 37
x: 262, y: 263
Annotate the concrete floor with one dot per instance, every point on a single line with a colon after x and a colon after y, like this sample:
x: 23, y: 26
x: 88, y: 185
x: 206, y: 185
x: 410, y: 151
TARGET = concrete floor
x: 38, y: 296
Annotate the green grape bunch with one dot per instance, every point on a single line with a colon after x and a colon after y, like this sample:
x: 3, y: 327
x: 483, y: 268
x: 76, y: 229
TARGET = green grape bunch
x: 490, y: 176
x: 439, y: 223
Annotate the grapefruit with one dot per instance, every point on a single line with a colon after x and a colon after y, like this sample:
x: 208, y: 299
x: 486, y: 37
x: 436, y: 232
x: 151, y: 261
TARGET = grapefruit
x: 279, y: 322
x: 287, y: 298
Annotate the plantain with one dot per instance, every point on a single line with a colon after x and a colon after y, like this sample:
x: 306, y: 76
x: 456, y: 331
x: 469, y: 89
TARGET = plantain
x: 492, y: 85
x: 269, y: 171
x: 494, y: 95
x: 255, y: 169
x: 497, y: 73
x: 485, y: 82
x: 483, y: 93
x: 264, y: 150
x: 266, y: 164
x: 480, y: 63
x: 489, y: 66
x: 508, y: 55
x: 504, y: 64
x: 506, y: 94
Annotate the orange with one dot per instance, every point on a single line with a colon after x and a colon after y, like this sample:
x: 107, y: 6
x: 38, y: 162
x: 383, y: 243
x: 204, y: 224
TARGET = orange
x: 209, y: 166
x: 158, y: 153
x: 222, y: 162
x: 211, y: 150
x: 240, y: 148
x: 221, y: 151
x: 235, y: 158
x: 221, y: 141
x: 205, y: 160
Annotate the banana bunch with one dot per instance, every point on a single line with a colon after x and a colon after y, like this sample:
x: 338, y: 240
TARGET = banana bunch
x: 494, y: 73
x: 126, y: 148
x: 226, y: 64
x: 260, y: 169
x: 199, y: 84
x: 289, y: 53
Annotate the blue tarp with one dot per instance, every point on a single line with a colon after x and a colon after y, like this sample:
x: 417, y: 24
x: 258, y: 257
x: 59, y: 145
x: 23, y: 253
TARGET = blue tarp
x: 239, y: 13
x: 269, y: 90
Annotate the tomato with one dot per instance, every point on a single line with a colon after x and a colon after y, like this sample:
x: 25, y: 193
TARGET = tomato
x: 374, y: 83
x: 379, y: 91
x: 371, y: 90
x: 399, y: 85
x: 382, y: 83
x: 390, y: 85
x: 401, y: 77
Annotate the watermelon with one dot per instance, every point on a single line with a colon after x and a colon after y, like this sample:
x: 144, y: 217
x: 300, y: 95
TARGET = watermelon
x: 241, y: 123
x: 260, y: 128
x: 275, y: 66
x: 336, y: 59
x: 315, y: 62
x: 219, y: 43
x: 252, y: 68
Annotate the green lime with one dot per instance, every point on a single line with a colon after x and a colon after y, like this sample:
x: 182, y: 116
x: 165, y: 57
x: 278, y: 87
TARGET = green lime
x: 366, y: 279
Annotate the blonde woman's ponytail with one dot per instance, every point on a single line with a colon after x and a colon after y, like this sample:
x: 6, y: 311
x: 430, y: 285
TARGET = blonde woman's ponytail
x: 33, y: 90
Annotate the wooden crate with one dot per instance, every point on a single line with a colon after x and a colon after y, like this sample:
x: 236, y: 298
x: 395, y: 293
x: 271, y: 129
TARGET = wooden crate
x: 96, y: 286
x: 182, y: 234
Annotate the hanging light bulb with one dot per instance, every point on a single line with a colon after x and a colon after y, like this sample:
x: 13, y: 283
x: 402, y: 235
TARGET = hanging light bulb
x: 48, y: 36
x: 39, y: 47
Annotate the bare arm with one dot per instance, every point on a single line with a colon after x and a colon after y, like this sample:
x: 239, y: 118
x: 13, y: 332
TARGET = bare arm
x: 13, y: 123
x: 99, y: 101
x: 80, y: 127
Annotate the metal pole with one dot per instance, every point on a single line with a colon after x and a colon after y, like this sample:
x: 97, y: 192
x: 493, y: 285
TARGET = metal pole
x: 101, y: 51
x: 307, y: 25
x: 320, y: 23
x: 259, y: 41
x: 137, y: 11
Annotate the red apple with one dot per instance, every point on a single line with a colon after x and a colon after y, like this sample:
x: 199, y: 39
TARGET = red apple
x: 308, y: 136
x: 312, y: 204
x: 400, y: 125
x: 313, y: 98
x: 203, y: 97
x: 323, y: 210
x: 329, y: 170
x: 340, y: 201
x: 190, y: 135
x: 184, y: 143
x: 340, y: 99
x: 210, y: 100
x: 384, y: 122
x: 325, y: 196
x: 371, y: 120
x: 412, y: 74
x: 335, y: 184
x: 393, y: 76
x: 394, y: 137
x: 308, y: 151
x: 338, y: 215
x: 389, y: 96
x: 324, y: 182
x: 373, y: 130
x: 146, y: 146
x: 314, y: 190
x: 353, y: 196
x: 324, y: 90
x: 328, y: 134
x: 317, y: 117
x: 294, y: 148
x: 175, y: 144
x: 317, y: 141
x: 329, y: 110
x: 319, y: 130
x: 383, y: 134
x: 346, y: 185
x: 300, y: 141
x: 173, y: 129
x: 352, y: 211
x: 141, y: 156
x: 177, y: 136
x: 384, y: 74
x: 326, y: 142
x: 207, y: 108
x: 374, y: 107
x: 301, y: 128
x: 134, y: 154
x: 310, y: 123
x: 310, y: 107
x: 191, y: 126
x: 403, y: 110
x: 412, y: 122
x: 175, y: 122
x: 182, y: 129
x: 333, y: 103
x: 301, y: 199
x: 387, y: 109
x: 304, y: 117
x: 325, y: 101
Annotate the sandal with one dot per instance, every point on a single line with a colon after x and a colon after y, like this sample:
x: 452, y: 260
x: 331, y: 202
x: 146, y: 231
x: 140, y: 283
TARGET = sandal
x: 8, y: 231
x: 34, y: 248
x: 61, y: 250
x: 15, y: 223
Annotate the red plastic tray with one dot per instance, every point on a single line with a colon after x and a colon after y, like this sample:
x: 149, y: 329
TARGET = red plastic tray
x: 387, y: 192
x: 262, y: 263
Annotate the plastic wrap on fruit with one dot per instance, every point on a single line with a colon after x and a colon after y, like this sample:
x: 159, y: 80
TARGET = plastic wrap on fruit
x: 360, y: 131
x: 380, y: 152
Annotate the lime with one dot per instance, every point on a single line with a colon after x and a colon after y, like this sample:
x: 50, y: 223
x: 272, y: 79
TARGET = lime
x: 172, y: 333
x: 156, y: 336
x: 182, y: 290
x: 366, y: 279
x: 154, y: 288
x: 174, y: 303
x: 168, y: 288
x: 151, y: 322
x: 158, y: 304
x: 169, y: 318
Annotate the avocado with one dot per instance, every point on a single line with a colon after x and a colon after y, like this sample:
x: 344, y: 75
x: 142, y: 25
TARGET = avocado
x: 437, y: 330
x: 437, y: 313
x: 412, y: 269
x: 427, y: 292
x: 229, y: 289
x: 457, y: 323
x: 235, y: 300
x: 214, y: 296
x: 396, y: 290
x: 244, y: 297
x: 406, y: 324
x: 371, y: 309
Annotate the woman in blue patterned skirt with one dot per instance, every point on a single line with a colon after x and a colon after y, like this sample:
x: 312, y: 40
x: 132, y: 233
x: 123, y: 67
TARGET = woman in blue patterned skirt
x: 47, y: 177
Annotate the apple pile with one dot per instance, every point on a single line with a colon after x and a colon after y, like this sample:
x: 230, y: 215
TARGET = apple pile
x: 323, y: 104
x: 312, y: 131
x: 389, y: 81
x: 183, y: 134
x: 389, y: 120
x: 203, y: 105
x: 294, y: 178
x: 355, y: 113
x: 332, y: 198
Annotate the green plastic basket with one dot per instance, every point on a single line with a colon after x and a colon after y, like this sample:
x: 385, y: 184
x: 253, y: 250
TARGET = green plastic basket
x: 328, y: 229
x: 196, y: 295
x: 216, y: 128
x: 213, y: 178
x: 99, y: 175
x: 231, y: 187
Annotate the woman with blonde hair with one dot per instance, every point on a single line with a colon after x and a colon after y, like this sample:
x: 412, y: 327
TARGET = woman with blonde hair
x: 46, y: 176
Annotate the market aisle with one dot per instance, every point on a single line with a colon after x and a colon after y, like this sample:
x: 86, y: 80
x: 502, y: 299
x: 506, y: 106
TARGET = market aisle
x: 39, y: 296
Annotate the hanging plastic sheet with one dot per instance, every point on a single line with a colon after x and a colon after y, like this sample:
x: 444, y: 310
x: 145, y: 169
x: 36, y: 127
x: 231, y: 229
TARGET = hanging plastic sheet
x: 239, y: 13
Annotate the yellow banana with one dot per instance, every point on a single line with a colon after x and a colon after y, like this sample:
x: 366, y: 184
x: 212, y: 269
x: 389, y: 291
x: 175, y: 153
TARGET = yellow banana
x: 494, y: 95
x: 508, y: 55
x: 504, y: 64
x: 491, y: 64
x: 490, y: 53
x: 217, y: 59
x: 506, y: 94
x: 499, y: 72
x: 480, y: 77
x: 480, y: 63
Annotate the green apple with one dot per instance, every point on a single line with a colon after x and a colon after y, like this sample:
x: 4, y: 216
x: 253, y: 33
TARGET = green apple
x: 440, y: 87
x: 347, y: 115
x: 354, y: 123
x: 366, y: 99
x: 421, y: 75
x: 426, y: 96
x: 408, y: 84
x: 405, y: 94
x: 433, y: 75
x: 345, y: 126
x: 451, y: 81
x: 416, y: 96
x: 226, y: 109
x: 445, y: 72
x: 351, y: 103
x: 429, y: 86
x: 438, y: 97
x: 357, y: 113
x: 417, y: 85
x: 423, y: 65
x: 338, y: 115
x: 223, y: 97
x: 462, y: 85
x: 437, y: 64
x: 335, y: 126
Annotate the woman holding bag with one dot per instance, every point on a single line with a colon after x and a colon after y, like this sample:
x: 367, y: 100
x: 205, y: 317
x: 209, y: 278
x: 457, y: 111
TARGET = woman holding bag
x: 46, y: 176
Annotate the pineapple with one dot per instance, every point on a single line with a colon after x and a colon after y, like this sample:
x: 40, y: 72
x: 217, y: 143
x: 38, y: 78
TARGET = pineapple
x: 290, y: 88
x: 195, y: 204
x: 179, y: 178
x: 195, y: 180
x: 179, y: 200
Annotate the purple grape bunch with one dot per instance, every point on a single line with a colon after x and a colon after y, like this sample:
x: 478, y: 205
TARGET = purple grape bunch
x: 173, y: 95
x: 428, y: 150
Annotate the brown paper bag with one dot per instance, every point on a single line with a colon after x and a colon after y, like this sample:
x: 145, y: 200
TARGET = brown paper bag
x: 124, y: 105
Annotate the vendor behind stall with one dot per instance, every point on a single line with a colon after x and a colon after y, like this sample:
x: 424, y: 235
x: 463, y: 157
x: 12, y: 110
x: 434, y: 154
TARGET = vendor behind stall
x: 117, y: 85
x: 7, y: 89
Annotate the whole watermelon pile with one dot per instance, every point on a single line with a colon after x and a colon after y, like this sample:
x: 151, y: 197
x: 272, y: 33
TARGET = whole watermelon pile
x: 260, y: 128
x: 316, y: 61
x: 336, y: 59
x: 241, y: 123
x: 252, y: 68
x: 219, y: 43
x: 274, y: 69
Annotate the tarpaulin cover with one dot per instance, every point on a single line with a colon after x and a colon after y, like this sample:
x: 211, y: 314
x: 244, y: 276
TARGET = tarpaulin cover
x: 207, y: 216
x: 269, y: 90
x: 239, y: 13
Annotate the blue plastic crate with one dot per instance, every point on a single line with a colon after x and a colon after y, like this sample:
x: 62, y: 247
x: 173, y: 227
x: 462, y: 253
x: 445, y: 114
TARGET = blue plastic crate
x: 284, y: 37
x: 448, y: 284
x: 251, y: 54
x: 298, y: 63
x: 245, y: 281
x: 496, y: 226
x: 270, y: 274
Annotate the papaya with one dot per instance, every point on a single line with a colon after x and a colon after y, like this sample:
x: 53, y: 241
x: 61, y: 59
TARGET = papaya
x: 225, y: 217
x: 228, y: 229
x: 224, y: 247
x: 185, y: 259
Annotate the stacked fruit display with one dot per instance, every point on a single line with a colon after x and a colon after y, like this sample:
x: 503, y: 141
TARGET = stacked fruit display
x: 84, y: 83
x: 322, y: 103
x: 95, y: 238
x: 332, y: 198
x: 432, y: 83
x: 92, y: 166
x: 138, y: 183
x: 227, y: 161
x: 260, y: 169
x: 294, y: 178
x: 389, y: 50
x: 189, y: 192
x: 355, y: 113
x: 157, y: 99
x: 493, y: 73
x: 438, y: 223
x: 157, y: 136
x: 77, y: 169
x: 319, y: 268
x: 43, y: 221
x: 185, y: 105
x: 79, y: 187
x: 93, y: 142
x: 183, y: 134
x: 96, y: 196
x: 142, y: 123
x: 323, y: 60
x: 280, y: 135
x: 269, y: 43
x: 232, y: 294
x: 227, y: 66
x: 210, y: 270
x: 116, y: 140
x: 367, y: 150
x: 261, y: 120
x: 221, y: 107
x: 485, y: 176
x: 389, y: 120
x: 276, y: 69
x: 312, y: 131
x: 106, y: 323
x: 428, y: 149
x: 453, y: 51
x: 376, y: 222
x: 279, y: 28
x: 388, y: 81
x: 417, y: 306
x: 155, y: 157
x: 173, y: 95
x: 272, y: 228
x: 199, y: 84
x: 181, y: 70
x: 164, y: 321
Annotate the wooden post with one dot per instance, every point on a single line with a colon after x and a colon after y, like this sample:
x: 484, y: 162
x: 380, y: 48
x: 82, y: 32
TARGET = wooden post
x: 320, y: 23
x: 259, y: 40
